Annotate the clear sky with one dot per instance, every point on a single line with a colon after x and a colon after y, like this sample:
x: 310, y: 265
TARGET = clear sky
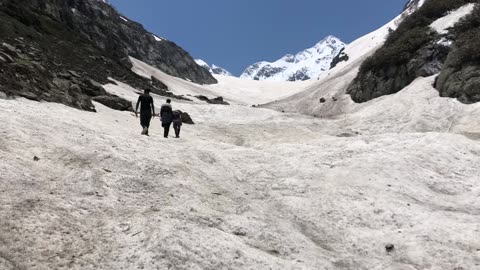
x: 237, y: 33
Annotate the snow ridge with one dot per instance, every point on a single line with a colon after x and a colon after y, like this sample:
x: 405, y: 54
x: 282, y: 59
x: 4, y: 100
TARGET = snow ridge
x: 302, y: 66
x: 213, y: 69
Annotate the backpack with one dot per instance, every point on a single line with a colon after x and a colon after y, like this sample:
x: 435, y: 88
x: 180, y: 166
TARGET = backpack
x: 177, y: 115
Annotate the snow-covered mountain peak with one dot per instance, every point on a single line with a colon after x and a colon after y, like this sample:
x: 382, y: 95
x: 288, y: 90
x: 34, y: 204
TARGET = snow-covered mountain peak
x: 304, y: 65
x: 213, y: 69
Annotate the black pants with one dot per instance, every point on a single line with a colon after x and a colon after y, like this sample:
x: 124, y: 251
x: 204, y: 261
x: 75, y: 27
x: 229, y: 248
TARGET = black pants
x: 145, y: 118
x: 166, y: 129
x: 176, y: 127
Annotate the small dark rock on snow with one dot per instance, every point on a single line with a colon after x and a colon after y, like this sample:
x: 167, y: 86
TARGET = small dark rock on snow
x: 389, y: 247
x: 217, y: 100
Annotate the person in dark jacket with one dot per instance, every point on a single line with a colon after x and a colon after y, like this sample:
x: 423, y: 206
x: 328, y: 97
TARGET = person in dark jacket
x: 177, y: 122
x: 166, y: 117
x: 147, y: 110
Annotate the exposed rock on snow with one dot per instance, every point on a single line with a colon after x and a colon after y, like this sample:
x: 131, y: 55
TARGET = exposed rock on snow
x: 398, y: 62
x: 427, y: 61
x: 217, y: 100
x: 186, y: 119
x: 114, y: 102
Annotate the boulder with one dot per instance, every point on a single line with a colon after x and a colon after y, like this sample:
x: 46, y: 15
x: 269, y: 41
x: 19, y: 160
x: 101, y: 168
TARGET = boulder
x: 114, y: 102
x: 217, y: 100
x: 203, y: 98
x: 186, y: 119
x: 93, y: 88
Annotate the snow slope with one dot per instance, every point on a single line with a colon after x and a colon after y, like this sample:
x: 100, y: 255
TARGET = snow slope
x: 304, y: 65
x: 233, y: 89
x: 215, y: 70
x: 443, y: 24
x: 245, y: 188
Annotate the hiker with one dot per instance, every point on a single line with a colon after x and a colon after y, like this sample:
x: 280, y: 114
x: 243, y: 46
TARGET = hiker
x: 147, y: 110
x: 177, y: 122
x: 166, y: 116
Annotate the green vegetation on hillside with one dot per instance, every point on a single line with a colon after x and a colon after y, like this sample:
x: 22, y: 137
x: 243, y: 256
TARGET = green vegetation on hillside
x: 467, y: 42
x: 411, y: 35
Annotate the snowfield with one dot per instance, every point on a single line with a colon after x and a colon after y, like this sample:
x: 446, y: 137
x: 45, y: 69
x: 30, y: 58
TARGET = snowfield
x: 244, y: 188
x: 443, y: 24
x: 322, y: 186
x: 234, y: 90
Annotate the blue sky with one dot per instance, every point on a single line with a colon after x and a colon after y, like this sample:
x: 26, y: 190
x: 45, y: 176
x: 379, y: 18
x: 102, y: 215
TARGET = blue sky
x: 236, y: 33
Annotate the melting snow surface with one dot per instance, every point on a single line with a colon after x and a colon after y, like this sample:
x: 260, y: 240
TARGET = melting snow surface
x: 441, y: 25
x: 244, y: 188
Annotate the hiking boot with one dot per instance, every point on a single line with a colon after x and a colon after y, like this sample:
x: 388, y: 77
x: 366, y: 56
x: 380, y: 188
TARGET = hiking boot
x: 145, y: 131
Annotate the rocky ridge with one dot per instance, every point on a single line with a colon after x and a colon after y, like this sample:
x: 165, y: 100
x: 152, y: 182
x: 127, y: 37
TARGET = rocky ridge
x: 53, y: 51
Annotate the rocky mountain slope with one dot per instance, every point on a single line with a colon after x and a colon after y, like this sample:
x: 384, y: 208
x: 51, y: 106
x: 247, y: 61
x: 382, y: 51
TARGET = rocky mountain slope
x: 423, y: 45
x: 213, y: 69
x: 302, y: 66
x: 56, y: 50
x: 450, y: 54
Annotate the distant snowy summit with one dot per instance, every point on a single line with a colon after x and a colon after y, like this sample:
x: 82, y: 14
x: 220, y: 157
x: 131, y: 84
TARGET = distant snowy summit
x: 216, y: 70
x: 303, y: 66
